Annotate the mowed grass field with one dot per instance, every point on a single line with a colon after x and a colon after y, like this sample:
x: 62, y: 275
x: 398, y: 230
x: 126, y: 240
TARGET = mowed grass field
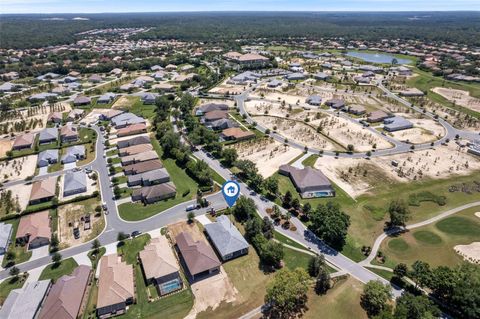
x: 434, y: 243
x: 342, y: 301
x: 368, y: 212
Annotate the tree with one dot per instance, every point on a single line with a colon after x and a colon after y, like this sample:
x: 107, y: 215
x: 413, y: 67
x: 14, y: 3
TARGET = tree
x: 287, y: 293
x: 399, y: 213
x: 415, y: 307
x: 287, y: 199
x: 267, y: 228
x: 330, y: 224
x: 322, y: 284
x: 229, y: 156
x: 190, y: 217
x: 314, y: 265
x: 271, y: 185
x: 14, y: 272
x: 307, y: 208
x: 420, y: 273
x: 96, y: 246
x: 295, y: 204
x: 244, y: 208
x: 350, y: 148
x: 400, y: 270
x: 253, y: 227
x: 56, y: 259
x: 121, y: 236
x: 375, y: 297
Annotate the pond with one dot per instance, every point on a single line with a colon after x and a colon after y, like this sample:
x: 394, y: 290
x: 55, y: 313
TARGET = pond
x: 377, y: 57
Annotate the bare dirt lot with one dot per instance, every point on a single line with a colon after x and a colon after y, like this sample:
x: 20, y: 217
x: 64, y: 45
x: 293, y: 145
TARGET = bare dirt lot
x: 19, y: 168
x: 415, y: 135
x: 224, y: 88
x: 267, y: 154
x: 5, y: 146
x: 125, y: 102
x: 71, y: 215
x: 460, y: 97
x: 22, y: 192
x: 183, y: 226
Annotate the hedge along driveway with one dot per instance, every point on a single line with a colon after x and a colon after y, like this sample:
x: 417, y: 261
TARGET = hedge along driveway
x: 186, y: 190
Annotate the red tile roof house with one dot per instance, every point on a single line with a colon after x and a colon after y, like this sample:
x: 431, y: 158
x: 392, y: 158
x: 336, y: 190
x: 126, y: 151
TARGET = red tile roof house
x: 135, y: 149
x: 215, y: 115
x: 236, y: 134
x: 132, y: 130
x: 23, y: 141
x: 55, y: 117
x: 65, y: 298
x: 82, y: 100
x: 138, y: 158
x: 377, y: 116
x: 34, y: 230
x: 142, y: 167
x: 198, y: 258
x: 43, y: 191
x: 68, y: 133
x: 309, y: 182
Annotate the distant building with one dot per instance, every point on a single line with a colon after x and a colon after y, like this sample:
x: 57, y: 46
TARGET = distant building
x: 308, y: 181
x: 134, y: 149
x: 209, y: 107
x: 314, y: 100
x: 377, y: 116
x: 321, y: 76
x: 55, y: 117
x: 356, y: 109
x: 396, y: 123
x: 336, y: 103
x: 82, y: 100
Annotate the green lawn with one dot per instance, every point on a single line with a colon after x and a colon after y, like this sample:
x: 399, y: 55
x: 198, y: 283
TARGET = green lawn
x: 295, y: 259
x: 54, y: 272
x: 342, y: 301
x: 9, y: 284
x: 21, y: 252
x: 131, y: 247
x: 112, y: 152
x: 186, y: 190
x: 434, y: 243
x: 285, y: 240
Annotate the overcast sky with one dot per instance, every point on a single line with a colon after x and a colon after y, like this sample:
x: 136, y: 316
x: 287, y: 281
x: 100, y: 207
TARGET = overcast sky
x: 97, y: 6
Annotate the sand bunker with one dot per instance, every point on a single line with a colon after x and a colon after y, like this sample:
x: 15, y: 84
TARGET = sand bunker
x: 477, y: 214
x: 460, y: 97
x: 470, y: 253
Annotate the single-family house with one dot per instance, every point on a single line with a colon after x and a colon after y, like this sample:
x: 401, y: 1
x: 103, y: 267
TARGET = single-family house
x: 125, y: 119
x: 157, y: 176
x: 95, y: 78
x: 221, y: 124
x: 160, y: 266
x: 48, y: 135
x: 132, y: 129
x: 138, y: 158
x: 7, y: 87
x: 134, y: 149
x: 198, y: 257
x: 236, y: 134
x: 25, y: 302
x: 109, y: 114
x: 82, y: 100
x: 321, y: 76
x: 73, y: 154
x: 154, y: 193
x: 74, y: 183
x: 314, y: 100
x: 137, y: 140
x: 142, y: 167
x: 209, y: 107
x: 47, y: 157
x: 75, y: 114
x: 116, y: 287
x: 377, y: 116
x: 308, y: 181
x: 34, y: 230
x: 396, y: 123
x: 226, y: 238
x: 356, y: 109
x: 274, y: 83
x: 336, y: 103
x: 55, y: 117
x: 23, y: 141
x: 43, y: 191
x: 295, y: 76
x: 42, y: 97
x: 106, y: 98
x: 68, y: 133
x: 67, y: 295
x: 214, y: 116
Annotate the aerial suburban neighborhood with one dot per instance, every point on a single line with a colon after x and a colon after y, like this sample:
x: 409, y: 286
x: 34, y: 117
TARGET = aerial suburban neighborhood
x: 240, y: 165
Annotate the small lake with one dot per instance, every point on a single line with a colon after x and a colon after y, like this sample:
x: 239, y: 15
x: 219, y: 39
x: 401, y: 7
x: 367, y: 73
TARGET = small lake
x: 377, y: 57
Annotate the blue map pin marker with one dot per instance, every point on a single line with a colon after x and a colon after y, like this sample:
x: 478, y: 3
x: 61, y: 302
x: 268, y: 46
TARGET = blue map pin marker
x: 231, y: 191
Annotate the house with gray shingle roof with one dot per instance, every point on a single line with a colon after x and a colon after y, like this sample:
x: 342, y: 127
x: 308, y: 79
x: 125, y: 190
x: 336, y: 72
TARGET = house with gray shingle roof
x: 47, y: 157
x: 308, y: 181
x: 73, y: 154
x: 226, y: 238
x: 48, y: 135
x: 125, y: 119
x: 74, y: 183
x: 25, y: 302
x: 156, y: 176
x: 314, y: 100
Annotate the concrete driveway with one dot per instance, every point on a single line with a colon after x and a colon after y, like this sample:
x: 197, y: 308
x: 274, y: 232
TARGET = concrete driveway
x: 39, y: 252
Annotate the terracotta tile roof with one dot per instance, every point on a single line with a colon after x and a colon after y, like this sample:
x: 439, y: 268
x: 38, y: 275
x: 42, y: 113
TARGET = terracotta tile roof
x: 24, y: 140
x: 43, y: 189
x: 136, y: 149
x: 237, y: 133
x: 158, y: 259
x: 115, y: 284
x: 198, y: 255
x: 35, y: 225
x: 131, y: 129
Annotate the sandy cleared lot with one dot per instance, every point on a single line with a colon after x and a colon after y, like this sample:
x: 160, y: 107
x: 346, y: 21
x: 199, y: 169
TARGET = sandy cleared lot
x: 469, y: 252
x: 415, y: 135
x: 18, y: 168
x: 224, y: 87
x: 212, y: 291
x: 5, y: 146
x: 22, y: 192
x: 297, y: 131
x: 267, y: 154
x: 460, y: 97
x: 125, y: 102
x: 230, y: 103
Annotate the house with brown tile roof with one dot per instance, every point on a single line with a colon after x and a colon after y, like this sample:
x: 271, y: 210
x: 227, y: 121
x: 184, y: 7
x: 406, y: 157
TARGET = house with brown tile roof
x: 236, y: 133
x: 115, y: 286
x: 377, y: 116
x: 55, y: 117
x: 43, y: 191
x: 198, y: 257
x: 65, y: 297
x: 154, y: 193
x: 34, y: 230
x: 142, y: 167
x: 24, y: 141
x: 215, y: 115
x: 132, y: 129
x: 160, y: 266
x: 137, y: 140
x: 309, y: 182
x: 135, y: 149
x: 68, y: 133
x: 138, y: 158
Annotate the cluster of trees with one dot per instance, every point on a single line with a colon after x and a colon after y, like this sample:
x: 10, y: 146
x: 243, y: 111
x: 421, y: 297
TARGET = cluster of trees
x: 330, y: 224
x: 317, y: 268
x: 8, y: 202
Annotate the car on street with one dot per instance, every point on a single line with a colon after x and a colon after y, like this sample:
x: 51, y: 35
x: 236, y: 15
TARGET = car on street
x: 136, y: 233
x: 192, y: 207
